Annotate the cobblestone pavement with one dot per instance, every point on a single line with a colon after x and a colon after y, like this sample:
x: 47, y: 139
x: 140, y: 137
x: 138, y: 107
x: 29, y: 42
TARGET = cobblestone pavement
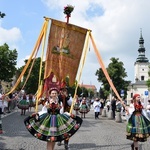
x: 101, y: 134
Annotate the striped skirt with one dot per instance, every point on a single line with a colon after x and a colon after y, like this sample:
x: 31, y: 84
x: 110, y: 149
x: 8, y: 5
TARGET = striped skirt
x: 84, y: 108
x: 52, y: 128
x: 23, y: 104
x: 138, y: 127
x: 76, y: 106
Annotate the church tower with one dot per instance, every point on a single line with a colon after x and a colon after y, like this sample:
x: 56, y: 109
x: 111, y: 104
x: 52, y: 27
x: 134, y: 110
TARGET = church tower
x: 141, y: 69
x: 141, y: 66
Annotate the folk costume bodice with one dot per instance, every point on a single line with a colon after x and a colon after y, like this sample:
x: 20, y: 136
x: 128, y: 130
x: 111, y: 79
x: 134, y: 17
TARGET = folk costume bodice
x: 83, y: 103
x: 138, y: 107
x: 54, y: 108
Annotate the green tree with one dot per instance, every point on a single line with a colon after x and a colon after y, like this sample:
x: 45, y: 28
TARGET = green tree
x: 90, y: 93
x: 148, y: 81
x: 101, y: 93
x: 8, y: 61
x: 2, y: 14
x: 71, y: 89
x: 117, y: 74
x: 31, y: 85
x: 80, y: 90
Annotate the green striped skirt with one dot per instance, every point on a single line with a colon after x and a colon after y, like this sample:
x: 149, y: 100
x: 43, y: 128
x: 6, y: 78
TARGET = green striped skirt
x: 56, y: 127
x: 138, y: 127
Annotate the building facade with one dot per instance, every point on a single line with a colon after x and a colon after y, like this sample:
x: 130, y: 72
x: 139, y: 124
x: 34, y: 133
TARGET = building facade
x: 90, y: 87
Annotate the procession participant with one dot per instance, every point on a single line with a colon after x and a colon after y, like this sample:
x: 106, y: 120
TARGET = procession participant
x: 31, y: 103
x: 108, y: 104
x: 23, y: 105
x: 3, y: 103
x: 66, y: 102
x: 113, y: 106
x: 138, y: 125
x: 10, y: 102
x: 83, y: 108
x: 65, y: 99
x: 76, y: 105
x: 50, y: 125
x: 118, y: 106
x: 148, y: 109
x: 97, y: 107
x: 102, y: 106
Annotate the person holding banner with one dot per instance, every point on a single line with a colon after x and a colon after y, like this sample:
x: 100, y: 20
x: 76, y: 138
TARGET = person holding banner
x: 66, y: 101
x: 138, y: 125
x: 51, y: 126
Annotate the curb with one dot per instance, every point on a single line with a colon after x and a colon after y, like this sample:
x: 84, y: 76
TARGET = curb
x: 8, y: 114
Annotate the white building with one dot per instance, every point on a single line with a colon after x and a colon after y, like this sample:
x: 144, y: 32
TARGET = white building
x: 141, y: 68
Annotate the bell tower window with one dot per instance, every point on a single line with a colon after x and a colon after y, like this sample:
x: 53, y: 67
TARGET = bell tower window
x: 142, y: 78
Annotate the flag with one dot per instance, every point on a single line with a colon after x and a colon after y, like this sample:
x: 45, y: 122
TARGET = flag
x: 65, y: 46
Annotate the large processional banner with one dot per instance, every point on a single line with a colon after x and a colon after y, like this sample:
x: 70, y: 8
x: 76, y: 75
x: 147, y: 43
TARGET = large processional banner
x: 65, y: 46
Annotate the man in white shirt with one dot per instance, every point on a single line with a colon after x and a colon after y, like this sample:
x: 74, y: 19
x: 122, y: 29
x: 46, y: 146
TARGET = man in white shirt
x: 97, y: 105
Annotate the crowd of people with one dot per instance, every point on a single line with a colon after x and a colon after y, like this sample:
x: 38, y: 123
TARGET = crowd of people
x: 8, y: 102
x: 55, y: 123
x: 19, y: 100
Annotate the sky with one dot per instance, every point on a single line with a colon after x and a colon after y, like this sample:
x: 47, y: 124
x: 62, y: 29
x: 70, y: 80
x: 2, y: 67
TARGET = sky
x: 116, y: 27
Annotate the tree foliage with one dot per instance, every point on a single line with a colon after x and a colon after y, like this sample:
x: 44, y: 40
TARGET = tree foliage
x: 81, y: 91
x: 8, y: 61
x: 148, y: 81
x: 33, y: 81
x: 117, y: 74
x: 2, y: 14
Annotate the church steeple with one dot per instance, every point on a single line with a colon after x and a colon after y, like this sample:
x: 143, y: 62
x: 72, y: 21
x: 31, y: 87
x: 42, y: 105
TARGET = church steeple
x: 141, y: 57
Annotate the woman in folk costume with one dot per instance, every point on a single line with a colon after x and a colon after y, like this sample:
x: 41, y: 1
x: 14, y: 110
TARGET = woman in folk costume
x: 76, y: 105
x: 83, y: 108
x: 23, y: 104
x: 138, y: 126
x: 97, y: 106
x: 51, y: 126
x: 31, y: 103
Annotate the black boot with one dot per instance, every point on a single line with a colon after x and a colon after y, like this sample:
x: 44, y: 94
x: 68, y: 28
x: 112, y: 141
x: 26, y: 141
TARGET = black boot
x: 136, y: 148
x: 66, y: 144
x: 132, y: 146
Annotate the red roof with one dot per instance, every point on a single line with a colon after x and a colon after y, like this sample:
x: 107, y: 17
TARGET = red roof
x: 93, y: 87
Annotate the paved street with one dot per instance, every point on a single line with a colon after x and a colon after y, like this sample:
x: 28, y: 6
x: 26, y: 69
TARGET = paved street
x: 102, y: 134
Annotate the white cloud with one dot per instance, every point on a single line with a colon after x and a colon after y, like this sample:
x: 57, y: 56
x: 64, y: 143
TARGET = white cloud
x: 21, y: 62
x: 11, y: 36
x: 115, y: 26
x: 116, y: 32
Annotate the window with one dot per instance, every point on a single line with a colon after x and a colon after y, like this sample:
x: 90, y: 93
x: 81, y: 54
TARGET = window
x: 142, y: 78
x: 131, y: 95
